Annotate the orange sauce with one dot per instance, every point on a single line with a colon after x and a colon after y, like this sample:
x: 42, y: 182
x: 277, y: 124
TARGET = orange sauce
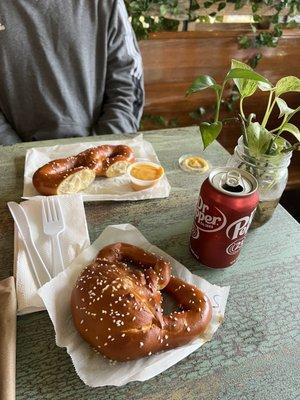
x: 146, y: 172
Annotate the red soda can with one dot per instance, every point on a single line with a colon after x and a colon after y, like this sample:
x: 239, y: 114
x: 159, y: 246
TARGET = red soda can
x: 227, y: 202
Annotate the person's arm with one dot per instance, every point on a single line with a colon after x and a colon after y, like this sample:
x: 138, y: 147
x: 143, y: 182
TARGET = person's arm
x: 124, y: 88
x: 7, y: 134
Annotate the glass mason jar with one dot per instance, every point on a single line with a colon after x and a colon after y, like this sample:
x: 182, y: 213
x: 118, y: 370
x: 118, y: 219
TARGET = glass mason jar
x: 271, y: 172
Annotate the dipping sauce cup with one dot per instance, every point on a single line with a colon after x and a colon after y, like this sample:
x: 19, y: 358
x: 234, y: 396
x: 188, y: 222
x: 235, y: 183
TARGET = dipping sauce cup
x: 145, y: 174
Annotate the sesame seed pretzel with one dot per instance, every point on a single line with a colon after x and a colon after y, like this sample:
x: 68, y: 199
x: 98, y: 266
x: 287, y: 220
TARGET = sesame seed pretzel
x: 76, y: 173
x: 116, y: 304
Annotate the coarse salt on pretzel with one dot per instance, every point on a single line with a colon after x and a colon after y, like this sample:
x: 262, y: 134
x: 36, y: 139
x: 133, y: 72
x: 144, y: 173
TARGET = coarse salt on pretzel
x: 76, y: 173
x: 117, y: 308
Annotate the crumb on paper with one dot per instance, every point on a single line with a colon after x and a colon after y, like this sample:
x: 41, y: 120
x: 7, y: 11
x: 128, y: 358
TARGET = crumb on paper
x: 220, y: 318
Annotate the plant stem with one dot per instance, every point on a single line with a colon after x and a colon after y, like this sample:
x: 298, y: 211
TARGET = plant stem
x: 285, y: 119
x: 219, y: 98
x: 244, y: 131
x: 276, y: 129
x: 268, y: 110
x: 241, y: 108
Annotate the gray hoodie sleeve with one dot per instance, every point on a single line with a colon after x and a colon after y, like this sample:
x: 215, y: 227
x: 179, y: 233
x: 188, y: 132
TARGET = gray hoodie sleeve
x: 124, y: 88
x: 7, y: 134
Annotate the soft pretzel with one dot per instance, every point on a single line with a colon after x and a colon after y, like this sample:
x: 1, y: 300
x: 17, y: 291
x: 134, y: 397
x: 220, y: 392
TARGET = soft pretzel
x: 76, y: 173
x: 116, y: 305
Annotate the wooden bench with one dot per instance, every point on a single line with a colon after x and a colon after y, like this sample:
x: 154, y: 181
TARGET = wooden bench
x: 173, y: 59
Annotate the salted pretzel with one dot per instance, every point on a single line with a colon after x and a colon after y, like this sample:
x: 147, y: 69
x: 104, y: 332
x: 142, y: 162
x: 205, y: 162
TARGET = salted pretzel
x: 76, y: 173
x: 116, y: 304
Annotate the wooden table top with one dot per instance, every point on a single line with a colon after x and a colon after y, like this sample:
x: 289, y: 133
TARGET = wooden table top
x: 253, y: 355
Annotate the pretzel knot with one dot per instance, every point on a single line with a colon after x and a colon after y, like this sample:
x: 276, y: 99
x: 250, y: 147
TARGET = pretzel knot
x: 117, y: 304
x: 76, y: 173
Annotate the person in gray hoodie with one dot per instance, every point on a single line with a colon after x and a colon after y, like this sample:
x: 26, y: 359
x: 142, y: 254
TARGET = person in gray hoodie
x: 67, y: 68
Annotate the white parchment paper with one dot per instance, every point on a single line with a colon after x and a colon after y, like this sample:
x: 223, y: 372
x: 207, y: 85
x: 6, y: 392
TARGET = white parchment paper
x: 91, y: 367
x: 117, y: 189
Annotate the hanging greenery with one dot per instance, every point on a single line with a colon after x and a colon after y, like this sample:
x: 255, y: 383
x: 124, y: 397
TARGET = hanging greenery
x: 269, y: 17
x: 164, y: 15
x: 150, y: 16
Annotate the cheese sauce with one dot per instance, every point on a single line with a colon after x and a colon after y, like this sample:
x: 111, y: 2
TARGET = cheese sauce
x: 146, y: 172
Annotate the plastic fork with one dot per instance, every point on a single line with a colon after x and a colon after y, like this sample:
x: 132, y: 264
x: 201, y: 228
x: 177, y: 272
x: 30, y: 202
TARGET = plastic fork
x: 53, y: 224
x: 38, y: 268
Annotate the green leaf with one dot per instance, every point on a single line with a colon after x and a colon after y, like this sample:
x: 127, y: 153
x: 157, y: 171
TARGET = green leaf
x: 163, y: 9
x: 245, y: 42
x: 221, y: 5
x: 256, y: 18
x: 209, y: 132
x: 265, y: 87
x: 258, y: 139
x: 203, y: 82
x: 287, y: 84
x: 278, y: 145
x: 135, y: 6
x: 283, y: 107
x: 254, y: 60
x: 277, y: 31
x: 246, y: 87
x: 245, y: 74
x: 207, y: 4
x: 238, y: 4
x: 292, y: 129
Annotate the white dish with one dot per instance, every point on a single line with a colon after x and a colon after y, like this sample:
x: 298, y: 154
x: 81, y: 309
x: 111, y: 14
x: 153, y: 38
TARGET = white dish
x: 102, y: 189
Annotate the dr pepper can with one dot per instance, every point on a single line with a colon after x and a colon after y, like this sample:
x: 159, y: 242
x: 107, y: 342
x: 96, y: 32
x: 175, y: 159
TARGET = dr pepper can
x: 227, y: 202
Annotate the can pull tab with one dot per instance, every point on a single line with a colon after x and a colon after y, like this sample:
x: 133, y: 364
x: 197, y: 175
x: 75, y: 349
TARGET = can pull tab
x: 232, y: 182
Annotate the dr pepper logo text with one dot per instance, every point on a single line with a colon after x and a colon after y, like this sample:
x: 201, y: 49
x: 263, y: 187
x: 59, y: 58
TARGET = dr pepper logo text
x: 212, y: 219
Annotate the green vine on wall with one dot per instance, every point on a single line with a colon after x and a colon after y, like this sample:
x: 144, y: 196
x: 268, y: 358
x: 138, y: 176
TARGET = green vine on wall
x: 269, y: 38
x: 164, y: 15
x: 144, y: 22
x: 149, y: 16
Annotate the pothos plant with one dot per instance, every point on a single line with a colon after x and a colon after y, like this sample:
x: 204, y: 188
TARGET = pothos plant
x: 258, y: 139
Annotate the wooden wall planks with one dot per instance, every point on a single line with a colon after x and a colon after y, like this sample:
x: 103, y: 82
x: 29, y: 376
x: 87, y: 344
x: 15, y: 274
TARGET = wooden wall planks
x: 173, y: 59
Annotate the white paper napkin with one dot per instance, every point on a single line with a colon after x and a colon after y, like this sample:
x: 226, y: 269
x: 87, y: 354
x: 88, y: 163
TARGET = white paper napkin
x: 73, y: 240
x: 94, y: 369
x: 117, y: 189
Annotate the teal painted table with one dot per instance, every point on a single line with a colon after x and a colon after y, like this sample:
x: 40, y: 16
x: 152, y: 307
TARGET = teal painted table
x: 255, y: 353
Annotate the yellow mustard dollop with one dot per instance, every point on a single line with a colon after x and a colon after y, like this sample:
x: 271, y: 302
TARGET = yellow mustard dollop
x: 196, y: 163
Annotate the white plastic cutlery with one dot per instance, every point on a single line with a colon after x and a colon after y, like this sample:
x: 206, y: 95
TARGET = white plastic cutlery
x: 53, y: 224
x: 39, y: 270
